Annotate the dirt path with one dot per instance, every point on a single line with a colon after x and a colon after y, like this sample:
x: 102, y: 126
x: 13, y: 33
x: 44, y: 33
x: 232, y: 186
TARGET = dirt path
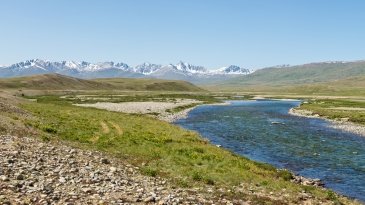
x: 117, y: 128
x: 104, y: 127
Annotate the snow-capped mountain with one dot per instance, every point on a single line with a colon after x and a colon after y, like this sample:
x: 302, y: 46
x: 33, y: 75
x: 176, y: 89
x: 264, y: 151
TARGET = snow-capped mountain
x: 233, y: 70
x: 188, y: 68
x: 146, y: 68
x: 180, y: 71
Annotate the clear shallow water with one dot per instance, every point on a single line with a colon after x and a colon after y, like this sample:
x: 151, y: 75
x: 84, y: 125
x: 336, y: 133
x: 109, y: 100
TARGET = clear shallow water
x: 304, y: 145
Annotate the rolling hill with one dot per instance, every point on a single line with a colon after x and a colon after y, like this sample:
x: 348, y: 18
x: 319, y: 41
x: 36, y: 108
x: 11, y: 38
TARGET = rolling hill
x: 328, y: 78
x: 301, y: 74
x: 61, y: 82
x: 148, y: 84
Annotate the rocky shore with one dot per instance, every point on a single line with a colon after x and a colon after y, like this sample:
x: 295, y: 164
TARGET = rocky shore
x: 35, y: 172
x: 342, y: 124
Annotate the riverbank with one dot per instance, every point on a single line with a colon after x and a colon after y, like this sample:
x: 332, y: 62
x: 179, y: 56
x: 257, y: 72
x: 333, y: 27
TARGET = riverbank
x: 342, y: 124
x: 164, y: 111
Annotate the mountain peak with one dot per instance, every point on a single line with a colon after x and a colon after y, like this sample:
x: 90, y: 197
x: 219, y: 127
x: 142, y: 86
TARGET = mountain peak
x: 147, y: 68
x: 232, y: 69
x: 186, y: 67
x: 112, y: 69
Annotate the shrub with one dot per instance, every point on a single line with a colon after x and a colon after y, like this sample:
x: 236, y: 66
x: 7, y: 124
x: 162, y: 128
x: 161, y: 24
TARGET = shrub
x: 49, y: 129
x: 149, y: 171
x: 197, y: 176
x: 285, y: 174
x: 209, y: 181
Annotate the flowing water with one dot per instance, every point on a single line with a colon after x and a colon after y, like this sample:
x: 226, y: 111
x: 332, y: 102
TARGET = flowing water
x: 264, y: 131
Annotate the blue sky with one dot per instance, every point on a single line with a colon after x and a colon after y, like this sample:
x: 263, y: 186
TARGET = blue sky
x: 212, y: 33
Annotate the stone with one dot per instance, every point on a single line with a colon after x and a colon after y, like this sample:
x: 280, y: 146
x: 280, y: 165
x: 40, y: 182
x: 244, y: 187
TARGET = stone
x: 20, y: 177
x: 113, y: 169
x: 149, y: 199
x: 4, y: 178
x: 87, y: 190
x: 62, y: 180
x: 48, y: 189
x: 104, y: 161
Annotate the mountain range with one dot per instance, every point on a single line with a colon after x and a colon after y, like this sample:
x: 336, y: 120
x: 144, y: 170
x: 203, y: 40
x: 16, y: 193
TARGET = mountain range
x: 180, y: 71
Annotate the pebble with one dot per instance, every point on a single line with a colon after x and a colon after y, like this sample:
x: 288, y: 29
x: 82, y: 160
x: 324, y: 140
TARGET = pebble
x: 105, y: 161
x: 58, y: 174
x: 113, y: 169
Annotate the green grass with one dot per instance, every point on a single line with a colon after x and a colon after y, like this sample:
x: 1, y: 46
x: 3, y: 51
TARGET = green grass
x: 344, y: 87
x: 127, y: 97
x: 182, y: 107
x: 158, y: 148
x: 61, y: 82
x: 300, y: 74
x: 144, y: 84
x: 324, y: 107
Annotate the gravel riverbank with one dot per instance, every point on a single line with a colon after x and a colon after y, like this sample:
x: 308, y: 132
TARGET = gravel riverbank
x: 155, y: 109
x: 159, y: 110
x: 342, y: 124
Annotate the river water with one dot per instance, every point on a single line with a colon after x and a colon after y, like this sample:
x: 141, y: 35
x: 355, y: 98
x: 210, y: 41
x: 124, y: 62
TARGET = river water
x: 264, y: 131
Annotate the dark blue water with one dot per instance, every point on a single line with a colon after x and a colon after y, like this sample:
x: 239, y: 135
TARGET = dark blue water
x: 306, y: 146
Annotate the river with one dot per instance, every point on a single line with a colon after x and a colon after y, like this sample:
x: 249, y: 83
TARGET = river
x: 264, y: 131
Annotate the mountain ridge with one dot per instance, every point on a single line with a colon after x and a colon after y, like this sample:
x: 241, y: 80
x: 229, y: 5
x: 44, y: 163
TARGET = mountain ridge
x: 301, y: 74
x: 54, y: 81
x: 83, y: 69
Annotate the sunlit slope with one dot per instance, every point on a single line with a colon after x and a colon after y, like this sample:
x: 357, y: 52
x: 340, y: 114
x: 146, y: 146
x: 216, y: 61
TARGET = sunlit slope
x: 302, y: 74
x: 61, y: 82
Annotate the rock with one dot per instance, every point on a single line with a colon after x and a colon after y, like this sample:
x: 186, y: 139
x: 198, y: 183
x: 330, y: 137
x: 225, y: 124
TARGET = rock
x: 4, y: 178
x: 149, y: 199
x: 112, y: 169
x: 20, y: 177
x: 62, y: 180
x: 140, y: 190
x: 87, y: 190
x: 104, y: 161
x: 48, y: 189
x: 59, y: 174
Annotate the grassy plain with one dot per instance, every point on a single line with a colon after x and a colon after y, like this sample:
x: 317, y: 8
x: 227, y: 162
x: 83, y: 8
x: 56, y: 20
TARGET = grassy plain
x: 61, y: 82
x: 165, y: 150
x: 156, y: 147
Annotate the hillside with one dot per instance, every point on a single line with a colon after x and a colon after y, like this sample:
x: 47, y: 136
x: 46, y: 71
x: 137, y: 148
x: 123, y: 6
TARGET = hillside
x: 61, y: 82
x: 335, y: 78
x: 353, y: 86
x: 301, y: 74
x: 149, y: 84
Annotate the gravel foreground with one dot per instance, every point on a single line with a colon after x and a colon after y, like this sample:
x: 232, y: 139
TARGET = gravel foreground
x: 36, y: 172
